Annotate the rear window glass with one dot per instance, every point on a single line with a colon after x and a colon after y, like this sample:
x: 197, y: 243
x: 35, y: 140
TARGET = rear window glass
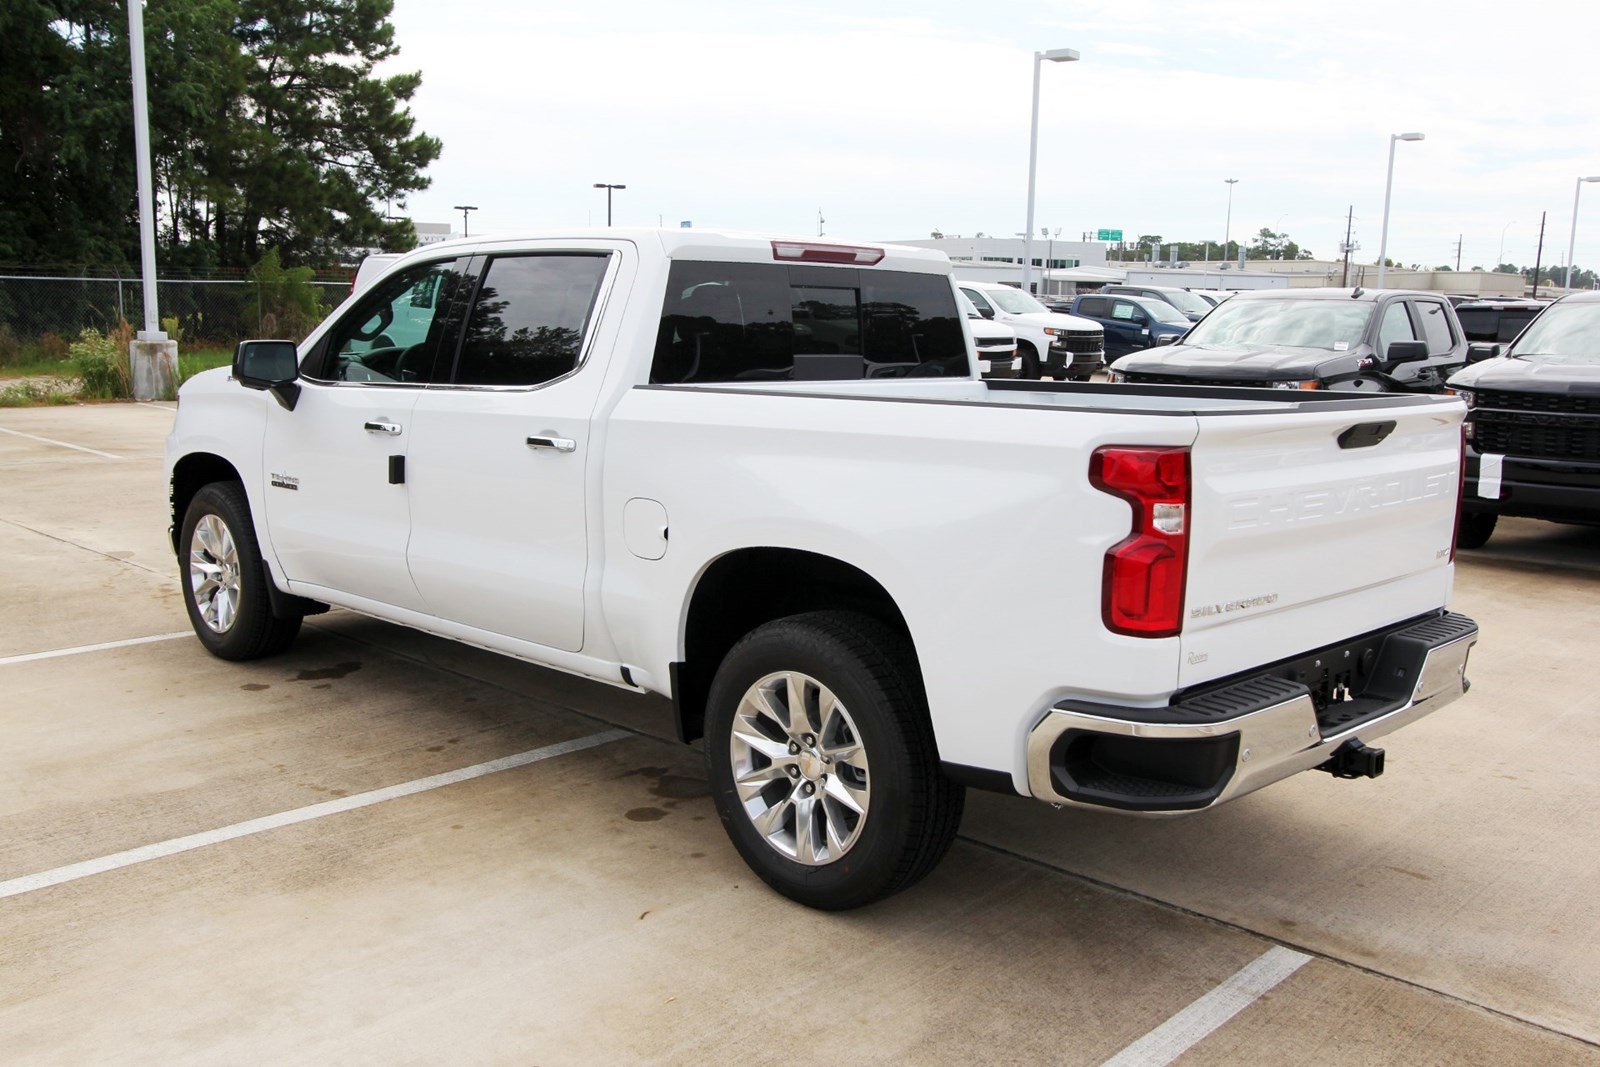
x: 1494, y: 325
x: 528, y: 319
x: 735, y: 322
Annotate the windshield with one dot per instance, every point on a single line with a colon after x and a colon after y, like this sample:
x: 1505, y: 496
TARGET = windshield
x: 1162, y: 311
x: 1565, y: 333
x: 1187, y: 301
x: 1332, y: 324
x: 1014, y: 301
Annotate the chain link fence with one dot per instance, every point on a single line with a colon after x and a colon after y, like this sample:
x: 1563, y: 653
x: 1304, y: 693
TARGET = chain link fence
x: 41, y: 312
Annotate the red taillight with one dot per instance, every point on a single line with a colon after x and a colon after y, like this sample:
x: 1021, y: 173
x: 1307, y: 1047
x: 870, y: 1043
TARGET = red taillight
x: 1142, y: 584
x: 808, y: 252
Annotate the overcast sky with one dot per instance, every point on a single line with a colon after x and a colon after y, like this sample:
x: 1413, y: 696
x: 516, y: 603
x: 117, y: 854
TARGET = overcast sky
x: 897, y: 119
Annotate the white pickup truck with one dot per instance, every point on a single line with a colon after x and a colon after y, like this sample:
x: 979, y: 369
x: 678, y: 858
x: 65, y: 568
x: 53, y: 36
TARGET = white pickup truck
x: 762, y: 477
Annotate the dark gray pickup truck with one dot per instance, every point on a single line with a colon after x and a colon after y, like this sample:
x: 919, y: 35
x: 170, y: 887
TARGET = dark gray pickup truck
x: 1364, y: 340
x: 1533, y: 424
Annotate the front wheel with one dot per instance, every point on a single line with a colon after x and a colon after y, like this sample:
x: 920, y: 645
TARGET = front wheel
x: 224, y: 580
x: 1028, y: 357
x: 822, y: 760
x: 1476, y: 528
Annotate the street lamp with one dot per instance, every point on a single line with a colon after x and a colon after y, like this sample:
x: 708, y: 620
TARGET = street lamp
x: 608, y: 188
x: 1388, y: 187
x: 1573, y: 240
x: 1054, y: 55
x: 464, y: 208
x: 1500, y: 257
x: 1227, y: 226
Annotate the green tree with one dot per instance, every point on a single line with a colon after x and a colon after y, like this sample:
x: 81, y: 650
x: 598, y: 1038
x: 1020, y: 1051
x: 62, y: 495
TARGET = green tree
x: 269, y: 127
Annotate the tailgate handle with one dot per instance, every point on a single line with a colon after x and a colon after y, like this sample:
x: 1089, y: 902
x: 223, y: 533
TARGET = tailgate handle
x: 1365, y: 434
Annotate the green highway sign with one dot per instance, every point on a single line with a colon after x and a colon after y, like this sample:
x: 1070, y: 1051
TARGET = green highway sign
x: 1110, y: 235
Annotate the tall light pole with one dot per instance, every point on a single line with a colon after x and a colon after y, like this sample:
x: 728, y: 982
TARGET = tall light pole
x: 1227, y: 226
x: 608, y: 188
x: 1054, y: 55
x: 1388, y: 187
x: 141, y: 152
x: 1500, y: 257
x: 464, y: 208
x: 1572, y: 241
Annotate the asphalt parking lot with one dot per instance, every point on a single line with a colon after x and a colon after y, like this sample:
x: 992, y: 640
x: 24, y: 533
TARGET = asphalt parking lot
x: 585, y: 906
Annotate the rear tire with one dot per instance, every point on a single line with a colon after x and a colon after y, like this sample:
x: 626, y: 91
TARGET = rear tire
x: 224, y: 580
x: 1476, y: 528
x: 1028, y: 362
x: 842, y: 803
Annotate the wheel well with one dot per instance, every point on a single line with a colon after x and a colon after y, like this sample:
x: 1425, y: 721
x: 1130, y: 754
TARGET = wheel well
x: 191, y: 474
x: 743, y: 590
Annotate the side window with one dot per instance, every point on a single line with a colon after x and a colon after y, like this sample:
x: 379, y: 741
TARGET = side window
x: 1124, y: 311
x: 738, y: 322
x: 978, y: 300
x: 391, y: 337
x: 1435, y: 327
x: 1396, y: 326
x: 528, y: 319
x: 1094, y: 306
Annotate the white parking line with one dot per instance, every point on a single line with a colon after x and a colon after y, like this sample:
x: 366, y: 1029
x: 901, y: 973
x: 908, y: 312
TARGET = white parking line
x: 1191, y: 1025
x: 101, y: 647
x: 73, y: 871
x: 63, y: 444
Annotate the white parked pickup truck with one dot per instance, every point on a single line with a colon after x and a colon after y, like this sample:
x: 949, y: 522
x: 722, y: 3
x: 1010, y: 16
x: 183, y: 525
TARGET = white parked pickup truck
x: 762, y: 477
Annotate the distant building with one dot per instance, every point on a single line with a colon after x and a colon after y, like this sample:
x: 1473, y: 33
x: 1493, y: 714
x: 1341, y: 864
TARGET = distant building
x: 431, y: 233
x: 999, y: 259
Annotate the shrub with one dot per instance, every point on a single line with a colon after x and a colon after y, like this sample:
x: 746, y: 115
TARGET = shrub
x: 102, y: 361
x: 283, y: 302
x: 53, y: 346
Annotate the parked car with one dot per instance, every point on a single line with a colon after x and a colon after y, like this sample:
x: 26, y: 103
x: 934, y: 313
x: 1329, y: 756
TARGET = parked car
x: 1132, y: 323
x: 839, y: 611
x: 1212, y: 296
x: 1533, y: 423
x: 995, y: 344
x: 1193, y: 307
x: 1363, y: 340
x: 1049, y: 344
x: 1497, y: 321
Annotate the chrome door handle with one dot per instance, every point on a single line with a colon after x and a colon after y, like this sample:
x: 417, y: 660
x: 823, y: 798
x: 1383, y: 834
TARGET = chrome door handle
x: 560, y: 444
x: 383, y: 426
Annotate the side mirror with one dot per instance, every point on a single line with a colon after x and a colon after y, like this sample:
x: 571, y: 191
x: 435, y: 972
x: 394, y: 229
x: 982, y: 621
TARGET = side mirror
x: 1405, y: 352
x: 270, y: 365
x: 987, y: 313
x: 1479, y: 351
x: 1167, y: 339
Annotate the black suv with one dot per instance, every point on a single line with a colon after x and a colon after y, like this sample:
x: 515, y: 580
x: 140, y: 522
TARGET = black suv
x: 1365, y: 340
x: 1533, y: 424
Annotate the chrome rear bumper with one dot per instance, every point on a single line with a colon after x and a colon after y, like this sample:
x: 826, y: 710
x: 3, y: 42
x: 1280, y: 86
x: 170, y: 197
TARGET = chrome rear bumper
x: 1207, y: 750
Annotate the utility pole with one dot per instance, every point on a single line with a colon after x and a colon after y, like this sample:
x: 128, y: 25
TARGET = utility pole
x: 1349, y: 221
x: 820, y: 221
x: 1459, y: 236
x: 1538, y: 257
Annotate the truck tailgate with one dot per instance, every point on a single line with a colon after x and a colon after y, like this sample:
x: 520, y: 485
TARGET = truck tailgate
x: 1313, y: 528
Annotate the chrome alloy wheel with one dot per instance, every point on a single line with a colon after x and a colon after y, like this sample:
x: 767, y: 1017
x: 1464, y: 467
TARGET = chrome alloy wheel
x: 214, y: 573
x: 800, y: 768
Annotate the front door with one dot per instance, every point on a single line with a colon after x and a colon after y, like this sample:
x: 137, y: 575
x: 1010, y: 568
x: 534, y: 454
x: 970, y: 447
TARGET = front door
x: 500, y: 450
x: 337, y: 504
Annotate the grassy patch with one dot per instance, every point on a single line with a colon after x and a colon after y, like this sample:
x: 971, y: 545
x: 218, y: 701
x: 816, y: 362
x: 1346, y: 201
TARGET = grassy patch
x: 192, y: 363
x: 39, y: 391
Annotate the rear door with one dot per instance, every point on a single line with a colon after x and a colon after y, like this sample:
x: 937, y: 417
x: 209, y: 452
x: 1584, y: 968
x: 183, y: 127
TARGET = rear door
x: 1305, y: 530
x: 500, y: 450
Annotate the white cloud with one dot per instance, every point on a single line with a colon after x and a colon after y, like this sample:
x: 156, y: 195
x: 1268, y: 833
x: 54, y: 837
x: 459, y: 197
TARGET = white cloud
x: 901, y: 118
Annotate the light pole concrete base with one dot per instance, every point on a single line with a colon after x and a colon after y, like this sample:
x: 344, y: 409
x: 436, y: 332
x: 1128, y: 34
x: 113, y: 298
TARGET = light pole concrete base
x: 154, y: 365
